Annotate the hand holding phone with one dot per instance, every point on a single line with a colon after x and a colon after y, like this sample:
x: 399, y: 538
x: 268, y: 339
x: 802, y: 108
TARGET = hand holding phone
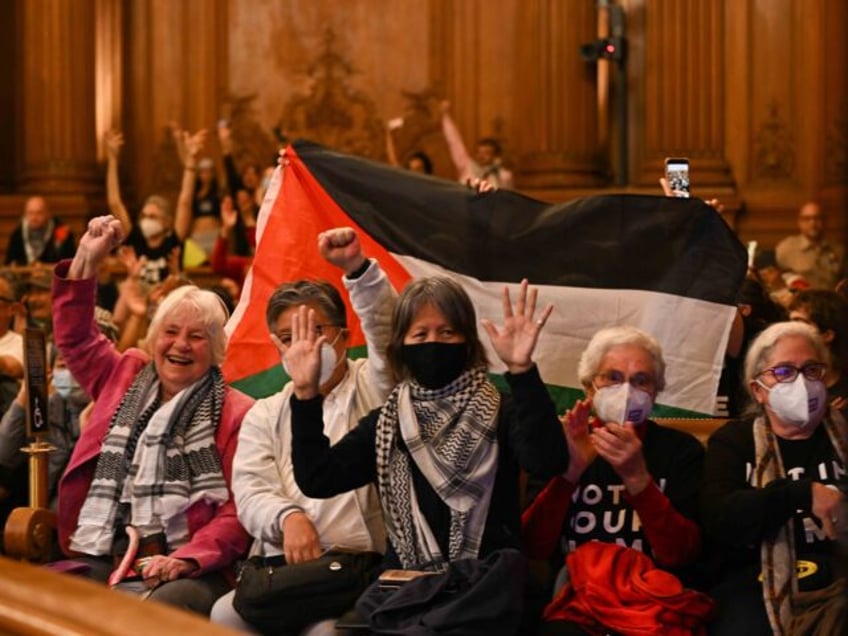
x: 677, y: 176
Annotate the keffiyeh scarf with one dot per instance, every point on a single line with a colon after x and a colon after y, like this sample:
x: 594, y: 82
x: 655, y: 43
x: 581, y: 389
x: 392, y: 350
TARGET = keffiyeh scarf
x: 451, y: 435
x: 780, y: 582
x: 155, y: 462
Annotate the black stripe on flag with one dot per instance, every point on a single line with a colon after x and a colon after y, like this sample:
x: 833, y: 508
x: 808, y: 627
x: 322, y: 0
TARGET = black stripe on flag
x: 652, y: 243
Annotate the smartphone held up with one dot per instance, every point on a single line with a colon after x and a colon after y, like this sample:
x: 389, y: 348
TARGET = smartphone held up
x: 677, y: 176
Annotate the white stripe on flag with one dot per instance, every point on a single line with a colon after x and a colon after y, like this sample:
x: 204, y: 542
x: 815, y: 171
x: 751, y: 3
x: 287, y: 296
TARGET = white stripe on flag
x: 693, y: 333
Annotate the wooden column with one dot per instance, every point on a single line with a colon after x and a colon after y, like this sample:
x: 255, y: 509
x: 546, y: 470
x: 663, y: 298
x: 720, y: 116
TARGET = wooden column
x: 57, y: 140
x: 176, y: 72
x: 683, y: 98
x: 557, y: 97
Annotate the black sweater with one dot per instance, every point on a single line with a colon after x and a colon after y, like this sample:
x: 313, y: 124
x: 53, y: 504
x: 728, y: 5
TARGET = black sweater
x: 529, y: 437
x: 738, y: 517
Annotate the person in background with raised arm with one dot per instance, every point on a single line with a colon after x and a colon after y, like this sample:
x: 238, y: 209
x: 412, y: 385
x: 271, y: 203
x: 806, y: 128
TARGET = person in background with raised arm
x: 157, y: 234
x: 486, y: 163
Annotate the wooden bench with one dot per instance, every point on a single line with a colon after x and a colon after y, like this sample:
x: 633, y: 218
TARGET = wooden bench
x: 701, y: 428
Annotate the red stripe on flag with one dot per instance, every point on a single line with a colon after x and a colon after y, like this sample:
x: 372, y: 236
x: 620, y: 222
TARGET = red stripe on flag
x: 288, y: 251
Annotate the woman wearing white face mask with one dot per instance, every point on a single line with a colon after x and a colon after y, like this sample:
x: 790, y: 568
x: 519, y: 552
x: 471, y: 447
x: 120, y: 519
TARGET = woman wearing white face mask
x: 770, y: 497
x: 629, y: 481
x: 283, y: 521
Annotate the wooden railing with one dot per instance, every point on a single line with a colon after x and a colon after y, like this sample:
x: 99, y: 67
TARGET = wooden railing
x: 37, y: 601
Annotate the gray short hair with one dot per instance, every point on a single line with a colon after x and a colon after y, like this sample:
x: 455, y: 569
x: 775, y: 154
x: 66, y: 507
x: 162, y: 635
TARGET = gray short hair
x: 191, y: 302
x: 762, y: 346
x: 606, y: 339
x: 301, y: 292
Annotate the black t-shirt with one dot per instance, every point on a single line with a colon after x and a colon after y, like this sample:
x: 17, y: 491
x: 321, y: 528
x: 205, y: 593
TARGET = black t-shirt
x: 156, y: 269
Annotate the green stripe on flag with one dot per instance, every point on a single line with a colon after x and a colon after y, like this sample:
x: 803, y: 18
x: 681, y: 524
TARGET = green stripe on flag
x: 268, y: 382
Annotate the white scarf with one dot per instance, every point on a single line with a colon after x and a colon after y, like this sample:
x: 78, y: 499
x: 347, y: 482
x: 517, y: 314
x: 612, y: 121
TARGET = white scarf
x: 451, y: 435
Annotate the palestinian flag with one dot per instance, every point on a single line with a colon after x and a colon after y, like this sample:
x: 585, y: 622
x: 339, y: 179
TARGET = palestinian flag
x: 668, y: 266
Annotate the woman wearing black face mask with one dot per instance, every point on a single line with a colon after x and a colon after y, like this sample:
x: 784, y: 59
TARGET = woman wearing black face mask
x: 448, y: 445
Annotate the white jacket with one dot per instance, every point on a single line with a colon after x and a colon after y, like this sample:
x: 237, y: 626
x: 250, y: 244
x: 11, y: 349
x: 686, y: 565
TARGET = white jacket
x: 263, y: 476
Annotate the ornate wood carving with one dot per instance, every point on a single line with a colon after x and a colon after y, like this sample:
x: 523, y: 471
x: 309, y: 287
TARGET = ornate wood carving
x: 333, y: 113
x: 774, y: 147
x: 251, y: 142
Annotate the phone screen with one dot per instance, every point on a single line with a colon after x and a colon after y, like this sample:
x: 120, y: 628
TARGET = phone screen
x: 677, y: 175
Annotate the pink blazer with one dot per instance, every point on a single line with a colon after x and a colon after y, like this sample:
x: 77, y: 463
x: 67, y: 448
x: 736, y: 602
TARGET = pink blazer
x: 217, y: 537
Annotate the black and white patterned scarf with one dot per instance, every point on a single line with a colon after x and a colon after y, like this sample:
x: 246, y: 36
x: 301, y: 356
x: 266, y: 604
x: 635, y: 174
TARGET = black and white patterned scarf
x: 780, y: 582
x: 155, y: 462
x: 451, y: 435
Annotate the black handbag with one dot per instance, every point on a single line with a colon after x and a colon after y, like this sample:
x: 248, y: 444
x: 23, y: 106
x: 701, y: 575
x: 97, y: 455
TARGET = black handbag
x: 473, y: 597
x: 277, y: 598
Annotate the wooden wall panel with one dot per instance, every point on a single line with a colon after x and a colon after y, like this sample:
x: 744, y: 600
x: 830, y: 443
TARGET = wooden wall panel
x: 753, y: 91
x: 56, y: 127
x: 9, y: 115
x: 177, y: 72
x: 785, y: 77
x: 682, y: 92
x: 557, y: 96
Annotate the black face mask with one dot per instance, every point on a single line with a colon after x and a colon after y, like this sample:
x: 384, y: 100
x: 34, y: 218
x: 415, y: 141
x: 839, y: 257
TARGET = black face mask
x: 435, y: 364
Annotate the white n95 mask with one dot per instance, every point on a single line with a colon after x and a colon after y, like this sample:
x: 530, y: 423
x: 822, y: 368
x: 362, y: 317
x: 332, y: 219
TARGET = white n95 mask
x: 622, y: 403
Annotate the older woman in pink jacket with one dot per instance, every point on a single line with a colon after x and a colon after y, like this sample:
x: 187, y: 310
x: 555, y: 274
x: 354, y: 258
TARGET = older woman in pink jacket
x: 150, y: 475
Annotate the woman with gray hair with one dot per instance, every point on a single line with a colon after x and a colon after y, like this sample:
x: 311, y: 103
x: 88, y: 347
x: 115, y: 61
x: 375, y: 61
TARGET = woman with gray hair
x: 629, y: 481
x: 148, y: 484
x: 446, y: 448
x: 770, y: 499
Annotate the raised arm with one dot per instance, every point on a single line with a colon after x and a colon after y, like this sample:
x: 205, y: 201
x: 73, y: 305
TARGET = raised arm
x: 459, y: 154
x: 372, y: 298
x: 113, y: 141
x: 516, y: 339
x: 322, y: 471
x: 103, y: 235
x: 535, y: 433
x: 225, y: 139
x: 188, y: 146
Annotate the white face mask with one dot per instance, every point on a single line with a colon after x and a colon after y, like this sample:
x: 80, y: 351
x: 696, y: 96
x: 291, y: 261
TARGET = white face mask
x: 150, y: 227
x: 798, y: 402
x: 329, y: 362
x: 622, y: 403
x: 67, y: 387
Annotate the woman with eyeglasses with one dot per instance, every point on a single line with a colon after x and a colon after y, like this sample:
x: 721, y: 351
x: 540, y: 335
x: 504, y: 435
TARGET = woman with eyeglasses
x: 629, y: 482
x: 771, y: 506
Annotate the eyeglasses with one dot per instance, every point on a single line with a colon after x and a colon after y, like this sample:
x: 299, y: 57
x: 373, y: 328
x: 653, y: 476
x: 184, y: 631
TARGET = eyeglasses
x: 286, y: 336
x: 643, y: 381
x: 788, y: 372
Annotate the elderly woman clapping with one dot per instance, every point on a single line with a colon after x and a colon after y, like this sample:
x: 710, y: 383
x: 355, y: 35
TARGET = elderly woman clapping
x: 630, y: 482
x: 153, y: 466
x: 771, y: 506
